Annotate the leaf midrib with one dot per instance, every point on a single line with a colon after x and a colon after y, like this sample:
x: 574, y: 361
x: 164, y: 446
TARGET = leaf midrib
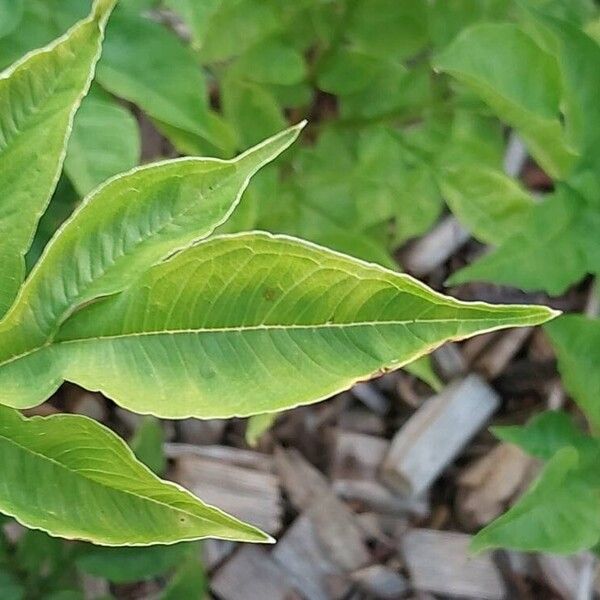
x: 110, y: 487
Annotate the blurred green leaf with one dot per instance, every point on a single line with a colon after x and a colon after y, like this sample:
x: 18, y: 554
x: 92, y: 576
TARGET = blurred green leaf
x: 147, y: 64
x: 189, y: 582
x: 488, y: 202
x: 258, y: 425
x: 105, y: 141
x: 11, y: 13
x: 128, y: 565
x: 10, y: 587
x: 576, y: 340
x: 423, y: 369
x: 196, y: 15
x: 521, y: 83
x: 147, y: 445
x: 558, y: 237
x: 546, y: 434
x: 559, y: 513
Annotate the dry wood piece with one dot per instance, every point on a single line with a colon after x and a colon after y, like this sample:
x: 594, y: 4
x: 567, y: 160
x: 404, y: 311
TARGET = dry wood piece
x: 251, y: 574
x: 496, y: 357
x: 361, y: 420
x: 249, y: 494
x: 436, y: 433
x: 197, y: 431
x: 439, y: 562
x: 435, y: 247
x: 321, y: 548
x: 214, y: 552
x: 301, y: 481
x: 357, y: 455
x: 233, y: 456
x: 371, y: 397
x: 568, y: 575
x: 449, y: 361
x: 381, y: 582
x: 493, y: 481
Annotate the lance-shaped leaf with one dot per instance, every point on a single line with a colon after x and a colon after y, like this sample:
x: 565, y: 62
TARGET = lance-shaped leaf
x: 129, y: 224
x: 252, y: 323
x: 520, y: 82
x: 38, y: 99
x: 74, y: 478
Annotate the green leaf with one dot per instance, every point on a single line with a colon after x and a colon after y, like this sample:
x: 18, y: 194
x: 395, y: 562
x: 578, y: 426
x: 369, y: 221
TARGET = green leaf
x: 105, y: 141
x: 128, y: 565
x: 74, y: 478
x: 148, y: 65
x: 576, y: 340
x: 488, y: 202
x: 387, y: 28
x: 558, y: 514
x: 258, y: 425
x: 545, y: 435
x: 252, y: 110
x: 10, y: 587
x: 121, y: 229
x: 519, y: 81
x: 11, y: 13
x: 265, y: 323
x: 558, y: 237
x: 196, y: 15
x: 189, y: 582
x: 38, y: 99
x: 423, y: 369
x: 147, y: 445
x: 272, y: 61
x: 578, y: 57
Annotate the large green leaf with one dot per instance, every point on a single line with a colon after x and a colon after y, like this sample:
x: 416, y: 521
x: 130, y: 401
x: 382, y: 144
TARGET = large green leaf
x: 558, y: 514
x: 74, y: 478
x: 105, y: 141
x: 520, y: 82
x: 38, y: 99
x: 251, y: 323
x: 121, y: 229
x: 576, y: 340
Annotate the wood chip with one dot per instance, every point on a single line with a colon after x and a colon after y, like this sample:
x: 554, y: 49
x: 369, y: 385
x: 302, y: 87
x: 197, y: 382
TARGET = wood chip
x: 251, y: 574
x: 381, y: 582
x: 435, y: 247
x: 449, y: 361
x: 301, y: 481
x: 357, y: 455
x: 492, y: 482
x: 496, y: 357
x: 249, y: 494
x: 201, y: 432
x: 439, y: 562
x: 321, y: 548
x: 233, y: 456
x: 435, y: 434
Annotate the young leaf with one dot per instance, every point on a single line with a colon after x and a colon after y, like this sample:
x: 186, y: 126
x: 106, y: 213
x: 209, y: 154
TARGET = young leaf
x: 253, y: 323
x: 559, y: 513
x: 521, y: 83
x: 74, y: 478
x: 576, y: 340
x: 121, y: 229
x: 105, y: 141
x: 38, y: 99
x: 190, y: 581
